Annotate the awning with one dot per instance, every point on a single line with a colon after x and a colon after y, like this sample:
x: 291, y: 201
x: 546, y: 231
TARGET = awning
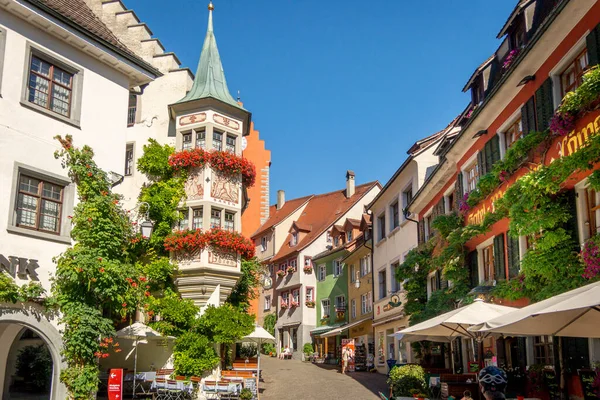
x: 342, y: 328
x: 321, y: 329
x: 385, y: 321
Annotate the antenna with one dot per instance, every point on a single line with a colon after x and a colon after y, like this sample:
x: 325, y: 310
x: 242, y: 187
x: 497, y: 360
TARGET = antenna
x: 238, y: 98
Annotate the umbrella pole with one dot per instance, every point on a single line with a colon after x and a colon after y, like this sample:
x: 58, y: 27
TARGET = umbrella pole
x: 135, y: 365
x: 452, y: 355
x: 258, y: 372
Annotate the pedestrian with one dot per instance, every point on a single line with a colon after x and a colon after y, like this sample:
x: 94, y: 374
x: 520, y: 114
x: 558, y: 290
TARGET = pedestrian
x: 492, y: 382
x: 345, y: 357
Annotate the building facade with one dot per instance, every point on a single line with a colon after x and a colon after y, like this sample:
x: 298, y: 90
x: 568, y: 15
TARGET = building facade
x: 62, y: 72
x: 546, y: 48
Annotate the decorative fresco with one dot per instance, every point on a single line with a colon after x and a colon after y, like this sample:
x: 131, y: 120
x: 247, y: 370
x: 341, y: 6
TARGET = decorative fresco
x: 221, y: 258
x: 194, y: 186
x: 192, y: 119
x: 225, y: 189
x: 187, y: 258
x: 222, y: 120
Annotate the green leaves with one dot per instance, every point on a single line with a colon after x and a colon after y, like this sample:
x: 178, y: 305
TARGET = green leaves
x: 194, y: 355
x: 225, y: 324
x: 155, y: 161
x: 245, y: 288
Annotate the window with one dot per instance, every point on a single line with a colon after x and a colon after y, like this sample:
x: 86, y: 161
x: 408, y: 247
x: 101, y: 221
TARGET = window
x: 217, y: 141
x: 201, y: 139
x: 39, y: 204
x: 325, y: 308
x: 296, y: 296
x: 396, y: 286
x: 353, y: 308
x: 337, y: 268
x: 513, y: 133
x: 340, y: 303
x: 197, y: 219
x: 132, y: 109
x: 50, y: 86
x: 310, y: 294
x: 229, y: 221
x: 307, y: 261
x: 267, y: 303
x: 381, y: 227
x: 428, y: 230
x: 271, y: 269
x: 352, y: 274
x: 363, y: 304
x: 407, y: 196
x: 263, y: 244
x: 543, y: 350
x: 477, y: 93
x: 230, y: 144
x: 186, y: 143
x: 294, y: 240
x: 183, y: 222
x: 282, y: 267
x: 365, y: 266
x: 322, y: 272
x: 382, y: 284
x: 450, y: 203
x: 336, y: 241
x: 349, y: 236
x: 370, y: 301
x: 328, y: 237
x: 394, y: 215
x: 472, y: 175
x: 129, y: 159
x: 592, y: 206
x: 433, y: 282
x: 571, y: 77
x: 293, y: 263
x: 215, y: 218
x: 488, y: 263
x: 285, y: 298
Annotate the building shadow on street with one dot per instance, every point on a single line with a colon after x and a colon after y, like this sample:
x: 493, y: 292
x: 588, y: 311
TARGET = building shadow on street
x: 373, y: 381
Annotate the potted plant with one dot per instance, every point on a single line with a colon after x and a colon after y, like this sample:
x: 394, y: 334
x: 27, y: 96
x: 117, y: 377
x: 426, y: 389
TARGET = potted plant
x: 294, y: 304
x: 290, y: 270
x: 283, y: 306
x: 308, y: 269
x: 310, y: 304
x: 246, y: 394
x: 281, y: 273
x: 308, y: 351
x: 408, y: 381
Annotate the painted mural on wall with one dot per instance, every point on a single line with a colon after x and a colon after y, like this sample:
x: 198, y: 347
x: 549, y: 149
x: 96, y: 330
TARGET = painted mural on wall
x: 186, y: 258
x: 221, y: 258
x: 194, y: 186
x: 225, y: 189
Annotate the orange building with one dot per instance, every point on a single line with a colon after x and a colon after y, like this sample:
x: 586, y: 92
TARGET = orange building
x: 257, y: 211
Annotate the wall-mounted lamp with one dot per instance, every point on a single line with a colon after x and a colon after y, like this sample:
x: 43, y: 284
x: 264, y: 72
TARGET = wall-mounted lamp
x: 146, y: 226
x: 357, y: 281
x: 528, y: 78
x: 480, y: 133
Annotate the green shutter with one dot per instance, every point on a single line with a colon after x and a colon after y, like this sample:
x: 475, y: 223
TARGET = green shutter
x: 571, y: 225
x: 593, y: 46
x: 514, y: 256
x: 421, y: 233
x: 528, y: 116
x: 544, y: 105
x: 481, y: 162
x: 499, y: 264
x: 495, y: 149
x: 438, y: 276
x: 489, y: 161
x: 458, y: 190
x: 473, y: 268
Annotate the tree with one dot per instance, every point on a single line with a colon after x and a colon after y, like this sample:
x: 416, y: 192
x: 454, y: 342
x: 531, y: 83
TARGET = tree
x: 245, y: 288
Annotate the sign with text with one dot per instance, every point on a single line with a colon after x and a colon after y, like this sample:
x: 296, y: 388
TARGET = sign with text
x: 20, y: 266
x: 348, y: 346
x: 563, y: 146
x: 115, y: 384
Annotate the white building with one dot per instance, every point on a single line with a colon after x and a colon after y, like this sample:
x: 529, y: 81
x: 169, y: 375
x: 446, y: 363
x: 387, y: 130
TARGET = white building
x: 394, y: 234
x: 62, y: 72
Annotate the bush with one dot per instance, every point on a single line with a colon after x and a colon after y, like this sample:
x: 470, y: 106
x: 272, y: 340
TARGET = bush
x: 268, y: 348
x: 248, y: 350
x: 308, y: 349
x: 246, y: 394
x: 406, y: 379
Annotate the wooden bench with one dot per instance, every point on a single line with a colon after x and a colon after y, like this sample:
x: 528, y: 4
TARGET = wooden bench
x: 243, y: 366
x: 236, y: 375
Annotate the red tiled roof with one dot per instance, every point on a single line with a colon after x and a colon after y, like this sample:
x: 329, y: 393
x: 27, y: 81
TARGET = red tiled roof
x: 78, y: 13
x: 321, y: 213
x: 276, y: 216
x: 302, y: 227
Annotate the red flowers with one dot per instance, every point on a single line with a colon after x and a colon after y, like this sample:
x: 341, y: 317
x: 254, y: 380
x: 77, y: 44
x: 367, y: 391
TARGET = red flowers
x: 223, y: 161
x: 124, y: 305
x: 230, y: 242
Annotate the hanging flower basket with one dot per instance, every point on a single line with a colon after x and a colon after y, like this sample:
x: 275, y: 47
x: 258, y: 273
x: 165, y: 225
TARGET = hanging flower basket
x: 290, y: 270
x: 294, y: 304
x: 281, y: 273
x: 562, y: 123
x: 226, y: 241
x: 308, y: 269
x: 310, y: 304
x: 284, y: 306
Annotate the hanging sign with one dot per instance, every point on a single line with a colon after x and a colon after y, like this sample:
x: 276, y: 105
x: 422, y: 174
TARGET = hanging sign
x: 348, y: 345
x: 115, y: 384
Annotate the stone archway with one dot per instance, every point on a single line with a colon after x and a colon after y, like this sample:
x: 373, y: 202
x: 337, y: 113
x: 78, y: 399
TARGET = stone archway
x: 13, y: 318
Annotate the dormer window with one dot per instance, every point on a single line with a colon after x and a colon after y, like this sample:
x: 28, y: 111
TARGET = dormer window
x: 349, y: 236
x: 336, y: 241
x: 477, y: 92
x: 294, y: 240
x: 328, y: 237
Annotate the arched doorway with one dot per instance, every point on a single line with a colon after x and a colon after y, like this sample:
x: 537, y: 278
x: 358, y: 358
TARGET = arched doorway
x: 23, y: 326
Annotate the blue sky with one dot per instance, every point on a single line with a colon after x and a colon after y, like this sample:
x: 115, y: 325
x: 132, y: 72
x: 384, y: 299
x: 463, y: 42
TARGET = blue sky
x: 338, y: 84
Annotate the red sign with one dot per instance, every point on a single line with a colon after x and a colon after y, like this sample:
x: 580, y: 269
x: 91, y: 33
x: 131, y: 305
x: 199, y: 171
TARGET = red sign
x: 115, y: 384
x: 348, y: 351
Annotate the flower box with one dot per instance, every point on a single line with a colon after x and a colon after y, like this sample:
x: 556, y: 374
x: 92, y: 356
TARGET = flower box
x: 283, y: 306
x: 310, y: 304
x: 290, y: 270
x: 281, y: 273
x: 308, y: 269
x: 226, y: 241
x: 294, y: 304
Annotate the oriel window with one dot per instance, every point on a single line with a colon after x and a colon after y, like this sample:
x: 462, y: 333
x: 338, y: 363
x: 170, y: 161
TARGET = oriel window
x: 197, y: 219
x: 230, y: 144
x: 229, y: 221
x: 187, y: 141
x: 201, y: 139
x: 217, y: 141
x: 215, y: 218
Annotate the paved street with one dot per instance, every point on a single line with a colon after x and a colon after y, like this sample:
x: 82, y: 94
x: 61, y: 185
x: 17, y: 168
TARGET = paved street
x: 285, y: 379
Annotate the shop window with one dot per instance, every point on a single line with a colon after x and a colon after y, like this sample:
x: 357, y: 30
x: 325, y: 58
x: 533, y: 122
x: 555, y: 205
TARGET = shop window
x: 381, y: 227
x: 513, y: 133
x: 201, y: 138
x: 197, y: 218
x: 325, y: 308
x: 382, y: 275
x: 322, y: 272
x: 215, y: 218
x: 267, y: 303
x: 572, y: 76
x: 337, y: 268
x: 217, y: 142
x: 543, y: 350
x: 129, y: 159
x: 394, y: 215
x: 488, y: 263
x: 186, y: 143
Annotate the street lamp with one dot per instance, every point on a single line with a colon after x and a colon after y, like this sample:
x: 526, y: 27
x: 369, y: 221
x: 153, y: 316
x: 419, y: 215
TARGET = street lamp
x: 146, y: 226
x: 357, y: 281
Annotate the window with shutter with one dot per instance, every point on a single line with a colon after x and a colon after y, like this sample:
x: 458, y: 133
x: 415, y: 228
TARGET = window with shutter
x: 528, y: 116
x: 458, y: 190
x: 499, y: 264
x: 544, y: 105
x: 514, y: 256
x: 593, y: 46
x: 421, y: 226
x: 473, y: 268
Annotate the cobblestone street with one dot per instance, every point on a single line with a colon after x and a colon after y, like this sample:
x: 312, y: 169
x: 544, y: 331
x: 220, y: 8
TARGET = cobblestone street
x: 285, y: 379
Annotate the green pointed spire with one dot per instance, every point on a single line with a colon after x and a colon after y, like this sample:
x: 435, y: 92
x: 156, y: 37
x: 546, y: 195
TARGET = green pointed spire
x: 210, y: 77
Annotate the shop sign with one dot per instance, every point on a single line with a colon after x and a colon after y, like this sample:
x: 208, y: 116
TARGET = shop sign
x: 348, y: 345
x: 586, y: 128
x: 115, y: 384
x: 393, y: 303
x: 20, y: 266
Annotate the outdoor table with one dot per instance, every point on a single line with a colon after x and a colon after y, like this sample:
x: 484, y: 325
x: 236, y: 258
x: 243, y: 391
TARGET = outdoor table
x: 227, y: 390
x: 142, y: 381
x: 180, y: 386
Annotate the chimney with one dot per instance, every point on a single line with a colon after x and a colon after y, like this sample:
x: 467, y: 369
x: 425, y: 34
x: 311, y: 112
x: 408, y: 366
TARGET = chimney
x: 280, y: 199
x: 349, y: 184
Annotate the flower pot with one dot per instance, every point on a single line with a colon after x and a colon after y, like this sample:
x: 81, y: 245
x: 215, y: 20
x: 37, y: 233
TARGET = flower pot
x: 520, y: 397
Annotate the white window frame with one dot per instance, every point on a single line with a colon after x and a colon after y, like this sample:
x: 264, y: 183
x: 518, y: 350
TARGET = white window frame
x: 447, y: 194
x: 325, y: 307
x: 294, y: 238
x: 263, y: 244
x: 480, y: 267
x: 582, y: 213
x: 466, y: 166
x: 342, y: 304
x: 353, y: 308
x: 395, y: 285
x: 502, y: 130
x: 267, y: 306
x: 322, y: 272
x: 338, y: 268
x: 309, y: 290
x: 564, y: 62
x: 364, y: 304
x: 129, y: 161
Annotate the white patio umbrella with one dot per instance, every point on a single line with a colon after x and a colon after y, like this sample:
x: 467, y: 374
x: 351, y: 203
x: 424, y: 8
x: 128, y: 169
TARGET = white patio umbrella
x: 138, y: 331
x: 418, y: 338
x: 259, y: 336
x: 575, y: 314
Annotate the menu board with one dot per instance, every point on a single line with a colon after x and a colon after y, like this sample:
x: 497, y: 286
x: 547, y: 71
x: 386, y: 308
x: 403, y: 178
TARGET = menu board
x: 348, y: 345
x: 250, y: 383
x: 587, y: 377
